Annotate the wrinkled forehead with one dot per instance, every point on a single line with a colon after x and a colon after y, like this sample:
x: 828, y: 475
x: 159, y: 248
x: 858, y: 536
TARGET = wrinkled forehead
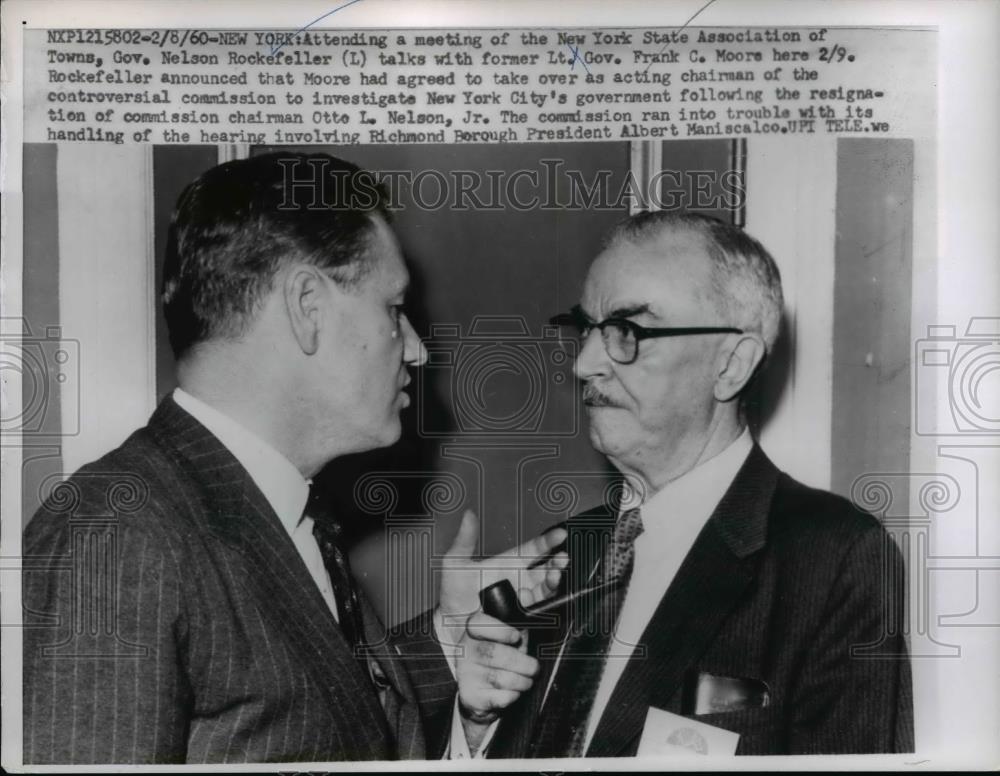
x: 670, y: 274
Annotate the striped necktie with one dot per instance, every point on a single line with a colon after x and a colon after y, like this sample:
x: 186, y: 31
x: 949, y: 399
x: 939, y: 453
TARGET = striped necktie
x: 566, y: 710
x: 328, y: 534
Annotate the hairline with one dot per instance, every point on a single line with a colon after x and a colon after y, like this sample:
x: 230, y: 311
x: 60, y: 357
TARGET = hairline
x: 718, y: 291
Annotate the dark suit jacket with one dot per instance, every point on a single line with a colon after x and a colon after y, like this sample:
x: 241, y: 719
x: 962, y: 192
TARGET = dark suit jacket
x: 169, y: 618
x: 784, y: 585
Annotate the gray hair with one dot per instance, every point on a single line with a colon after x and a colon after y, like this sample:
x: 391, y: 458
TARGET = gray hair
x: 746, y: 284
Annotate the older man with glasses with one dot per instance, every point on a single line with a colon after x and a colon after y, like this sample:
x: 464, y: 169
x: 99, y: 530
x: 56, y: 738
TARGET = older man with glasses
x: 733, y: 610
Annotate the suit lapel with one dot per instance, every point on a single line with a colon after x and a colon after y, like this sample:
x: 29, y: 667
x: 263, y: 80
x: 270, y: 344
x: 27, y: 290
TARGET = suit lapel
x: 712, y: 578
x: 587, y: 534
x: 238, y: 514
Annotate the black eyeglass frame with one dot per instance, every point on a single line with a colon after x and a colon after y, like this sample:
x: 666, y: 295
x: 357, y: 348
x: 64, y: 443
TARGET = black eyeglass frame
x: 577, y: 319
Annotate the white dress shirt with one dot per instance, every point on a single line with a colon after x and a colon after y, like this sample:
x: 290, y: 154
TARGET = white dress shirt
x: 671, y: 520
x: 284, y: 487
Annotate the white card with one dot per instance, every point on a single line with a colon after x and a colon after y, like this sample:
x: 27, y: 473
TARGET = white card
x: 671, y: 734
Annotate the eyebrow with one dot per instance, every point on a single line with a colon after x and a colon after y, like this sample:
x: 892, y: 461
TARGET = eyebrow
x: 402, y: 289
x: 623, y: 311
x: 627, y: 311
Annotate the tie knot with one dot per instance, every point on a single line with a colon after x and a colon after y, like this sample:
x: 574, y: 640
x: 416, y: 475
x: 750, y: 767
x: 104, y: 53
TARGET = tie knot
x: 621, y: 550
x: 628, y: 527
x: 317, y: 508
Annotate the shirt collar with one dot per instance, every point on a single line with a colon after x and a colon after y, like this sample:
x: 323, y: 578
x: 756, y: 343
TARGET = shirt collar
x: 277, y: 478
x: 685, y: 504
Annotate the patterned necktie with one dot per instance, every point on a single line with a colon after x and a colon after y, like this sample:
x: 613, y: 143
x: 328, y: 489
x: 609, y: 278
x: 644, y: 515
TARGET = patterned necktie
x: 328, y: 533
x: 566, y: 711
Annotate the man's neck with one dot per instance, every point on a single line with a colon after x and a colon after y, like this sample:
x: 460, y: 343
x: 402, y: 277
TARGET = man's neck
x: 251, y: 401
x: 651, y: 480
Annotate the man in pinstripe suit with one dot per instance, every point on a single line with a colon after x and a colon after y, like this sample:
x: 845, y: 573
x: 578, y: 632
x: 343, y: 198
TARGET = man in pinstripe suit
x: 207, y: 613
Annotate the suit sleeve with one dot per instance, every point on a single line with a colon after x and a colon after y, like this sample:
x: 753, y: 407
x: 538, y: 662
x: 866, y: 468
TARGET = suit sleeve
x: 854, y: 693
x: 103, y: 681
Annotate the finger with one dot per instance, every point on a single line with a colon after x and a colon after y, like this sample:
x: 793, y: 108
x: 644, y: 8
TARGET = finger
x: 477, y: 716
x: 528, y: 579
x: 482, y: 705
x: 540, y: 572
x: 555, y: 569
x: 490, y: 655
x: 501, y: 699
x: 548, y: 574
x: 551, y: 572
x: 529, y: 553
x: 532, y: 595
x: 482, y: 627
x: 540, y: 586
x: 510, y: 681
x: 542, y: 545
x: 467, y: 538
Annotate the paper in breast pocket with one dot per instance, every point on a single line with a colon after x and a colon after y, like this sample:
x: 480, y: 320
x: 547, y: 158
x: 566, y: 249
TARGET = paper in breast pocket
x: 667, y: 734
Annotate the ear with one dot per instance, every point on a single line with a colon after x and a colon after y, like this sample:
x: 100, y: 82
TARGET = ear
x: 737, y: 365
x: 303, y: 291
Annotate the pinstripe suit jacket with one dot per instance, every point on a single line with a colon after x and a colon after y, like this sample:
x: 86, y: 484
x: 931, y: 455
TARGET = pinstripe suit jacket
x: 784, y: 585
x: 169, y: 618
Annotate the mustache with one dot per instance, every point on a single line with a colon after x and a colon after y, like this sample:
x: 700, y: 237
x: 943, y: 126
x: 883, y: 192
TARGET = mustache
x: 592, y: 397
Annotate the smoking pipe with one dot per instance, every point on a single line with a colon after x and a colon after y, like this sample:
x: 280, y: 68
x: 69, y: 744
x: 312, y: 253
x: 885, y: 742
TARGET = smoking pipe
x: 500, y: 600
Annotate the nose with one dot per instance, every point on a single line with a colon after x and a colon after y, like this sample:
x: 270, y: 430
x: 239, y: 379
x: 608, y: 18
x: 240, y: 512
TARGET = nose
x: 414, y: 352
x: 592, y: 360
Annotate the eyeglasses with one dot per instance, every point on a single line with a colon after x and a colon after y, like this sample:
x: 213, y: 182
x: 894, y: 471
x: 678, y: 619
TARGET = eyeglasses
x: 621, y: 336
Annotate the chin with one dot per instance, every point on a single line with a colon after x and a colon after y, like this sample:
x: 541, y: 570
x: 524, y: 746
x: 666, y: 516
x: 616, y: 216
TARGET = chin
x: 602, y: 424
x: 384, y: 434
x: 610, y: 438
x: 392, y: 432
x: 600, y: 441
